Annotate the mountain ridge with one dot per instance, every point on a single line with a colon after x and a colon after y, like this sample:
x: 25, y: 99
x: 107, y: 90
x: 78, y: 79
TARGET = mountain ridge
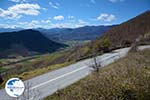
x: 81, y: 33
x: 27, y: 41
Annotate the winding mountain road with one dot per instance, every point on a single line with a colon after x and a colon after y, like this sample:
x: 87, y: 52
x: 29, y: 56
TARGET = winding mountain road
x: 44, y: 85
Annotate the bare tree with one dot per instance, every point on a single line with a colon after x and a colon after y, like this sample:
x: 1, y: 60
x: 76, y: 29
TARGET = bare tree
x: 79, y: 52
x: 96, y: 64
x: 134, y: 46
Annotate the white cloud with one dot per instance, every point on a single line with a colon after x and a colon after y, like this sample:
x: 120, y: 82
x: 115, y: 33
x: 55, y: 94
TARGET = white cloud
x: 116, y: 1
x: 27, y: 9
x: 59, y: 17
x: 74, y: 24
x: 45, y: 21
x: 81, y: 22
x: 32, y: 24
x: 18, y: 10
x: 106, y: 17
x: 8, y: 26
x: 54, y: 5
x: 62, y: 25
x: 44, y: 9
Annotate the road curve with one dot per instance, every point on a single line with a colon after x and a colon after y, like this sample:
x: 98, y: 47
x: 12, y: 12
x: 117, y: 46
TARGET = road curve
x: 44, y: 85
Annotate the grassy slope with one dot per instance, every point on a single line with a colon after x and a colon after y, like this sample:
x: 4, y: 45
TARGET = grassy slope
x: 35, y: 67
x: 126, y: 79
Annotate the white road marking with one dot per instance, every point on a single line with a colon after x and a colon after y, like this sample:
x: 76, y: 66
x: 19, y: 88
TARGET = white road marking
x: 58, y: 77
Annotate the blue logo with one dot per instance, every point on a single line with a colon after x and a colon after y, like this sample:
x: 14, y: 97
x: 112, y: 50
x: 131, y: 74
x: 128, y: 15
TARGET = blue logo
x: 14, y: 87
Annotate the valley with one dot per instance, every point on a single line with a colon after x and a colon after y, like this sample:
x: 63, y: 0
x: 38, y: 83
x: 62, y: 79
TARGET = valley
x: 74, y: 50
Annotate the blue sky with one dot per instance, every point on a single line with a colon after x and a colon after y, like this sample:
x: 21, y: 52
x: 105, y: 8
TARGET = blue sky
x: 68, y: 13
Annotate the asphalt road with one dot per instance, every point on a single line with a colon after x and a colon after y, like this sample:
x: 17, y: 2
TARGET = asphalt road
x: 44, y: 85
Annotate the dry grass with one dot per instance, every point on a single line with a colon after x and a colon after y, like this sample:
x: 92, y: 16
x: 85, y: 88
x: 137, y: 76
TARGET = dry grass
x: 126, y: 79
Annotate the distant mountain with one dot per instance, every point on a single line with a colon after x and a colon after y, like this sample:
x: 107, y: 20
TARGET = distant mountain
x: 25, y: 43
x: 10, y: 29
x: 65, y: 34
x: 130, y: 30
x: 81, y: 33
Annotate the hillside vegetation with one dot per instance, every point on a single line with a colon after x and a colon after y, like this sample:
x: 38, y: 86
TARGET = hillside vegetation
x: 125, y: 79
x: 127, y: 32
